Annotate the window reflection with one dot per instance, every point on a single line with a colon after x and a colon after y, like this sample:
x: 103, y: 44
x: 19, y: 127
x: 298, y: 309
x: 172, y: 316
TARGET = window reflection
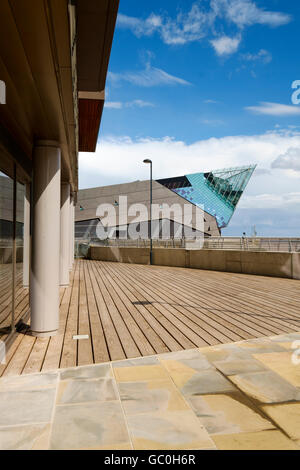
x: 21, y: 304
x: 6, y: 254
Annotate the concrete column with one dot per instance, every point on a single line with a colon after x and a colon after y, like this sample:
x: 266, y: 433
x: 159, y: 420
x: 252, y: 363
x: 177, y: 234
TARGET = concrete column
x: 45, y: 247
x: 65, y: 234
x: 73, y: 230
x: 71, y: 234
x: 26, y: 235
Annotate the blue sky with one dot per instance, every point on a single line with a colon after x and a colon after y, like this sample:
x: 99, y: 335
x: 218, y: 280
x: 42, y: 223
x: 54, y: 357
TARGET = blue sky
x: 199, y: 85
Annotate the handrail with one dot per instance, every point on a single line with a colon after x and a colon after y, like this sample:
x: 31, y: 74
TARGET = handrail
x: 265, y: 244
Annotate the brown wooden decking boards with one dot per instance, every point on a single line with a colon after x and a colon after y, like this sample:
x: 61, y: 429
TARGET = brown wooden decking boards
x: 132, y: 310
x: 21, y: 297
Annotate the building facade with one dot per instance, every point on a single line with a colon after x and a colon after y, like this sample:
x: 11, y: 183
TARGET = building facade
x: 54, y: 57
x: 216, y: 194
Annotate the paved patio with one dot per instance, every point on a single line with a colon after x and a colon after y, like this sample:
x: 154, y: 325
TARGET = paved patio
x: 128, y: 311
x: 244, y: 395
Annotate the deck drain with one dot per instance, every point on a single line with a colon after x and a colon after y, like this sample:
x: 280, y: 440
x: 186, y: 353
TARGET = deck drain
x: 79, y: 337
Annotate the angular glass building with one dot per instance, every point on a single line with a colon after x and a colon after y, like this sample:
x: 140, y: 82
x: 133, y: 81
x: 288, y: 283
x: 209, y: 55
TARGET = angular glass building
x: 217, y: 192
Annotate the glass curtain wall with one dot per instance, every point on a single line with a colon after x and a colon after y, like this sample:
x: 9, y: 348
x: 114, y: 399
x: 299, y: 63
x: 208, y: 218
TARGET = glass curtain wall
x: 13, y: 296
x: 6, y: 254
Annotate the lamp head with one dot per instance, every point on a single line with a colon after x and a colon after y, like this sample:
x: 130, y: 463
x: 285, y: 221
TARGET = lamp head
x: 148, y: 161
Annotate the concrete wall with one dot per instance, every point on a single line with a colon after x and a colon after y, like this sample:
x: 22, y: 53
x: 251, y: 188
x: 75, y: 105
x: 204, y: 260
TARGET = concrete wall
x: 284, y: 265
x: 120, y: 255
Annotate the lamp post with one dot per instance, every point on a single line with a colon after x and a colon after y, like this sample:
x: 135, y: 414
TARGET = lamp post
x: 149, y: 162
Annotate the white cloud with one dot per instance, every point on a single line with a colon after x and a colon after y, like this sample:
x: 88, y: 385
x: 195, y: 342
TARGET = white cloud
x: 113, y: 104
x: 274, y: 109
x: 211, y: 101
x: 120, y: 160
x: 188, y: 27
x: 246, y: 13
x: 150, y: 76
x: 225, y: 46
x: 138, y: 26
x: 201, y: 21
x: 290, y: 160
x: 270, y: 201
x: 128, y: 104
x: 262, y: 56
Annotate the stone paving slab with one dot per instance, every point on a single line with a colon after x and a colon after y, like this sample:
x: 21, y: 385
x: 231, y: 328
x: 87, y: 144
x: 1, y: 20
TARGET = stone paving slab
x: 237, y: 396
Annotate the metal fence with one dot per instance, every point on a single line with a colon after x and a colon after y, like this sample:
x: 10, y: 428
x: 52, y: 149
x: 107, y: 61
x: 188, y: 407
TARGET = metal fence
x: 253, y: 244
x: 213, y: 243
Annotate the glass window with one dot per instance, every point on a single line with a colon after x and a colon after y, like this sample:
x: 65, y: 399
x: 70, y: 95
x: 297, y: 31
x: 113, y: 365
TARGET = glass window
x: 21, y: 294
x: 6, y: 254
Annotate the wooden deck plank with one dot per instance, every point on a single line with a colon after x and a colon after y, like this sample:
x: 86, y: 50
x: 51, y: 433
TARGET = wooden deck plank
x: 54, y: 351
x: 85, y: 349
x: 69, y: 351
x: 133, y: 310
x: 270, y: 323
x: 128, y: 344
x: 100, y: 350
x: 136, y: 332
x: 113, y: 342
x: 154, y: 339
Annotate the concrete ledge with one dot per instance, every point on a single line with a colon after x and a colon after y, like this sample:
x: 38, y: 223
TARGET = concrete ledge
x: 175, y: 257
x: 120, y: 255
x: 274, y: 264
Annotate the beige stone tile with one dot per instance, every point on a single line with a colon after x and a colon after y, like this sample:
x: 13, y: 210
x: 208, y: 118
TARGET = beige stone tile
x: 89, y: 425
x: 26, y: 407
x: 228, y: 414
x: 127, y: 446
x: 282, y: 364
x: 287, y: 345
x: 139, y: 362
x: 29, y: 382
x: 204, y: 383
x: 87, y: 372
x: 285, y: 338
x: 80, y: 391
x: 236, y: 367
x: 140, y: 374
x: 266, y: 387
x: 145, y: 397
x: 287, y: 417
x: 169, y: 430
x: 179, y: 372
x: 261, y: 346
x: 29, y: 437
x: 265, y: 440
x: 216, y: 353
x: 193, y: 359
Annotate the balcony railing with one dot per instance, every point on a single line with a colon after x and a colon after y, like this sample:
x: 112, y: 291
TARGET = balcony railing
x: 214, y: 243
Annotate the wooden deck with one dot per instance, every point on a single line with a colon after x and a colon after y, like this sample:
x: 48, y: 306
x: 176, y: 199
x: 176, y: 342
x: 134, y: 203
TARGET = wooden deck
x: 21, y: 300
x: 132, y: 310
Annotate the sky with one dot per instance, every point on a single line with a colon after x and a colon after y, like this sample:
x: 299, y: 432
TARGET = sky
x: 203, y: 85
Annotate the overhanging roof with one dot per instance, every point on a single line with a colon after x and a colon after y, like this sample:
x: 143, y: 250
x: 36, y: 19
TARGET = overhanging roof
x: 95, y: 30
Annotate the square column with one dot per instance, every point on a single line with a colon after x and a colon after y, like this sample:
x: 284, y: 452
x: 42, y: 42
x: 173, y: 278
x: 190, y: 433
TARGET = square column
x: 65, y: 236
x: 45, y: 249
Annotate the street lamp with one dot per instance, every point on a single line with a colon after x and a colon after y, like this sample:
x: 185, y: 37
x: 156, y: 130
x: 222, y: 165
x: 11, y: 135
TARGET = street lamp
x: 149, y: 162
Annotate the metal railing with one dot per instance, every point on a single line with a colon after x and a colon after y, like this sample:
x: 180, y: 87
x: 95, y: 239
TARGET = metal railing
x: 253, y: 244
x: 214, y: 243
